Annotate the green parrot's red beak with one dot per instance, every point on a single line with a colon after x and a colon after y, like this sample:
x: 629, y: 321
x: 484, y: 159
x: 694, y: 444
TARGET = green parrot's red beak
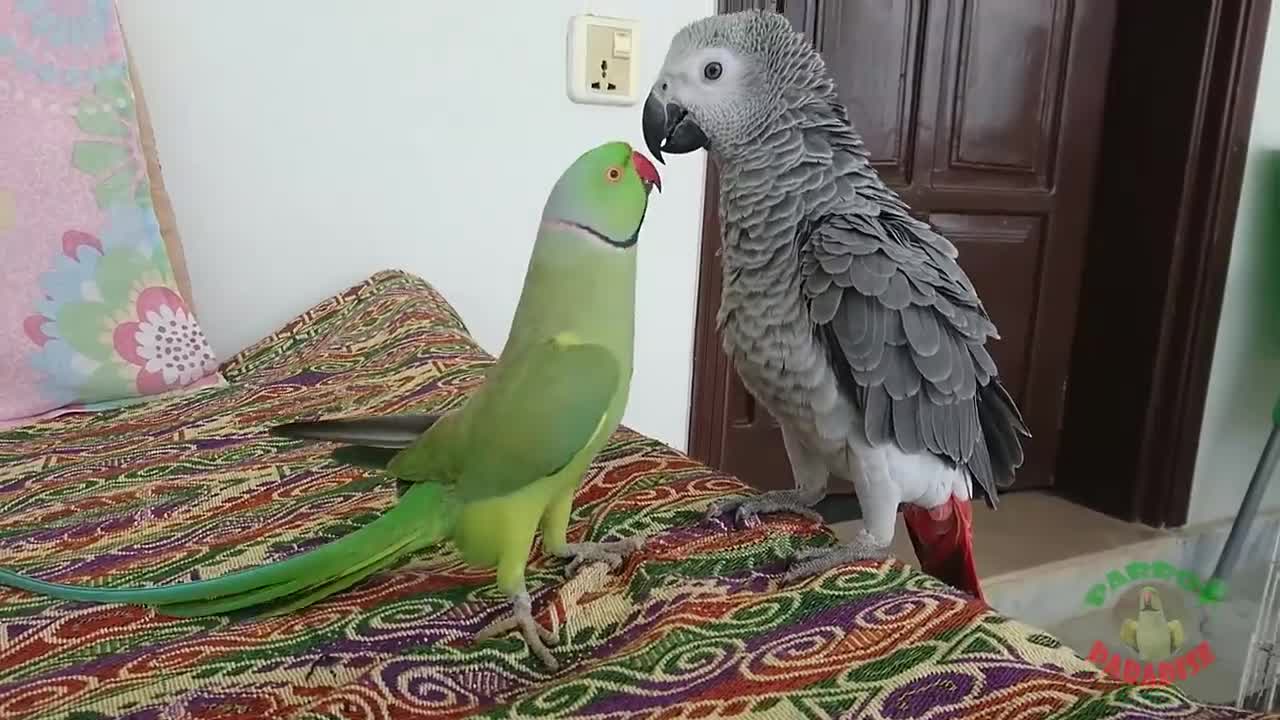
x: 646, y: 170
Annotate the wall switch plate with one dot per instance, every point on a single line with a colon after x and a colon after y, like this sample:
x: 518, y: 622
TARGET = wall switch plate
x: 603, y: 67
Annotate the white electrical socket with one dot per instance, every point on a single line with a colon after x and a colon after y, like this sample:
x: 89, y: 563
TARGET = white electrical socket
x: 603, y: 62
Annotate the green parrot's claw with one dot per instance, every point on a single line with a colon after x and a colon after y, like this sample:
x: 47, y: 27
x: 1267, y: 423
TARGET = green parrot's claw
x: 521, y: 618
x: 607, y: 552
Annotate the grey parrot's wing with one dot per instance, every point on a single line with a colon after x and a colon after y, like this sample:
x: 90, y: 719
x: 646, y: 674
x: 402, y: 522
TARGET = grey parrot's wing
x: 905, y: 331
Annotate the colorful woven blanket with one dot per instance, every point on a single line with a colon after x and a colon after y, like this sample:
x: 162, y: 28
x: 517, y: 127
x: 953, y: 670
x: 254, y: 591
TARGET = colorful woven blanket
x: 695, y: 625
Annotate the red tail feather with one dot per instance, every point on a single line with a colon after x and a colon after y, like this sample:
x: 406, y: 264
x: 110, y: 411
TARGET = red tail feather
x: 943, y: 539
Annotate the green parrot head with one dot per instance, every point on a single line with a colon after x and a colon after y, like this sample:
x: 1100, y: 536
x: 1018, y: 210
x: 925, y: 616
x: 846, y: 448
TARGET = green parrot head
x: 603, y: 195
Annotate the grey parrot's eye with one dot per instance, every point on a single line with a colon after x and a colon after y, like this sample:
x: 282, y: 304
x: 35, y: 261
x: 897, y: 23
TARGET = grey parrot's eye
x: 712, y: 71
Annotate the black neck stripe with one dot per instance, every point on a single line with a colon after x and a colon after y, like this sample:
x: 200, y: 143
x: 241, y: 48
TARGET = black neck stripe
x: 603, y: 238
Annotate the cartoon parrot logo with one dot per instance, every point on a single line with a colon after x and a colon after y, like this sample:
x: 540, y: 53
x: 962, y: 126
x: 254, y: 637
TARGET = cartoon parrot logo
x: 1152, y: 636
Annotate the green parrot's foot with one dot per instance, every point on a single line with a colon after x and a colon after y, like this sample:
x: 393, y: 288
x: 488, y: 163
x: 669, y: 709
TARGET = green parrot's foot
x: 812, y: 561
x: 608, y: 552
x: 536, y: 636
x: 747, y: 511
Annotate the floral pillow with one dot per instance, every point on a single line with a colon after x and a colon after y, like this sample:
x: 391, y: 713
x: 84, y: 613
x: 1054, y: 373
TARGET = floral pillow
x: 91, y: 314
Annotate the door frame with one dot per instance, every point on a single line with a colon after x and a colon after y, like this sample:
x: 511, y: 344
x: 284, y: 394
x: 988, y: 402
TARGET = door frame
x: 1181, y: 90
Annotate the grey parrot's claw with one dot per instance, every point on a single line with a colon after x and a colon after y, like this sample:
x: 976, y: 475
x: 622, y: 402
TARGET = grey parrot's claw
x: 747, y: 512
x: 719, y: 508
x: 815, y: 552
x: 608, y: 552
x: 820, y: 560
x: 535, y: 636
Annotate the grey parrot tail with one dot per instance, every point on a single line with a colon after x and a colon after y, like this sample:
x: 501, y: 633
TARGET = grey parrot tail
x: 1002, y: 429
x: 392, y: 432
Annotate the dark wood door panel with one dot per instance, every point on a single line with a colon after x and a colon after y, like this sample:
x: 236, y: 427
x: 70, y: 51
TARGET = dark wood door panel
x: 872, y: 48
x: 1000, y: 93
x: 751, y: 451
x: 803, y: 14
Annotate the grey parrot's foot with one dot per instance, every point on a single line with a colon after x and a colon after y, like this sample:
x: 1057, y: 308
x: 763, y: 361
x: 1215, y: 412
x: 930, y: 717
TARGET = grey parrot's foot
x: 536, y: 636
x: 748, y: 510
x: 812, y: 561
x: 609, y: 552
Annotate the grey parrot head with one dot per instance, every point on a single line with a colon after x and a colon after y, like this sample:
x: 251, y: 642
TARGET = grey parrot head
x: 726, y: 78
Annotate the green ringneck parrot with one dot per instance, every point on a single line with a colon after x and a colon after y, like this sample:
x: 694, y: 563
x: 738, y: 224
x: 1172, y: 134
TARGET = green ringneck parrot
x: 510, y: 459
x: 845, y: 315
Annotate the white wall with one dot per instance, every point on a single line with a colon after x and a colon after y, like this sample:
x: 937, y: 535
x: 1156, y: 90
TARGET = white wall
x: 309, y: 143
x: 1244, y: 381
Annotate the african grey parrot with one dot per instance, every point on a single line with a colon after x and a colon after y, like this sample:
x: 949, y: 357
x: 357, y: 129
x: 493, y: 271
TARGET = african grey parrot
x: 845, y: 316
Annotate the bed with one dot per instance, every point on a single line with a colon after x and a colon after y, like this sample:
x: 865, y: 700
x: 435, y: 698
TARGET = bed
x: 694, y: 625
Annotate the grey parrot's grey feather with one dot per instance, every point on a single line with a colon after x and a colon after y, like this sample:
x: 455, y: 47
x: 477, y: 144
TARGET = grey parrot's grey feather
x: 922, y: 330
x: 901, y: 380
x: 855, y: 318
x: 898, y: 295
x: 985, y: 362
x: 865, y: 279
x: 818, y: 282
x: 880, y: 265
x: 826, y: 304
x: 953, y: 420
x: 935, y: 395
x: 878, y: 415
x: 906, y: 429
x: 863, y: 226
x: 938, y: 417
x: 871, y: 354
x: 894, y: 333
x: 935, y: 368
x: 835, y: 264
x: 968, y: 381
x: 923, y: 292
x: 816, y: 146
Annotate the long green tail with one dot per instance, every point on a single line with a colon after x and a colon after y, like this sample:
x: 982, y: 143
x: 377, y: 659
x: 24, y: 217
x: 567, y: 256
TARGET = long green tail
x: 423, y: 515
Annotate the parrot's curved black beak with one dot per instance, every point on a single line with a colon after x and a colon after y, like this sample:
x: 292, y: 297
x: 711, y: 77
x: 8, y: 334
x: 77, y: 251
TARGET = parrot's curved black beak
x: 668, y: 128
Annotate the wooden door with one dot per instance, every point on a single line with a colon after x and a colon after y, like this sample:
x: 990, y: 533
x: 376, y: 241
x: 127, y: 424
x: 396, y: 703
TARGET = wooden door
x: 985, y: 116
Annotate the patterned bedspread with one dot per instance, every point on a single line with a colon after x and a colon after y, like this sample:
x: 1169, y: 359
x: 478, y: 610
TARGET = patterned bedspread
x: 695, y: 625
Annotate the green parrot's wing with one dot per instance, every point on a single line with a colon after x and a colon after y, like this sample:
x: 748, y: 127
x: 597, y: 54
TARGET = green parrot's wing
x: 1129, y: 633
x: 1175, y: 631
x: 534, y: 413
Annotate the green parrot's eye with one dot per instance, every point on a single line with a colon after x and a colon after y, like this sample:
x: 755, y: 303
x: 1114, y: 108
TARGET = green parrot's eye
x: 712, y: 71
x: 613, y: 174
